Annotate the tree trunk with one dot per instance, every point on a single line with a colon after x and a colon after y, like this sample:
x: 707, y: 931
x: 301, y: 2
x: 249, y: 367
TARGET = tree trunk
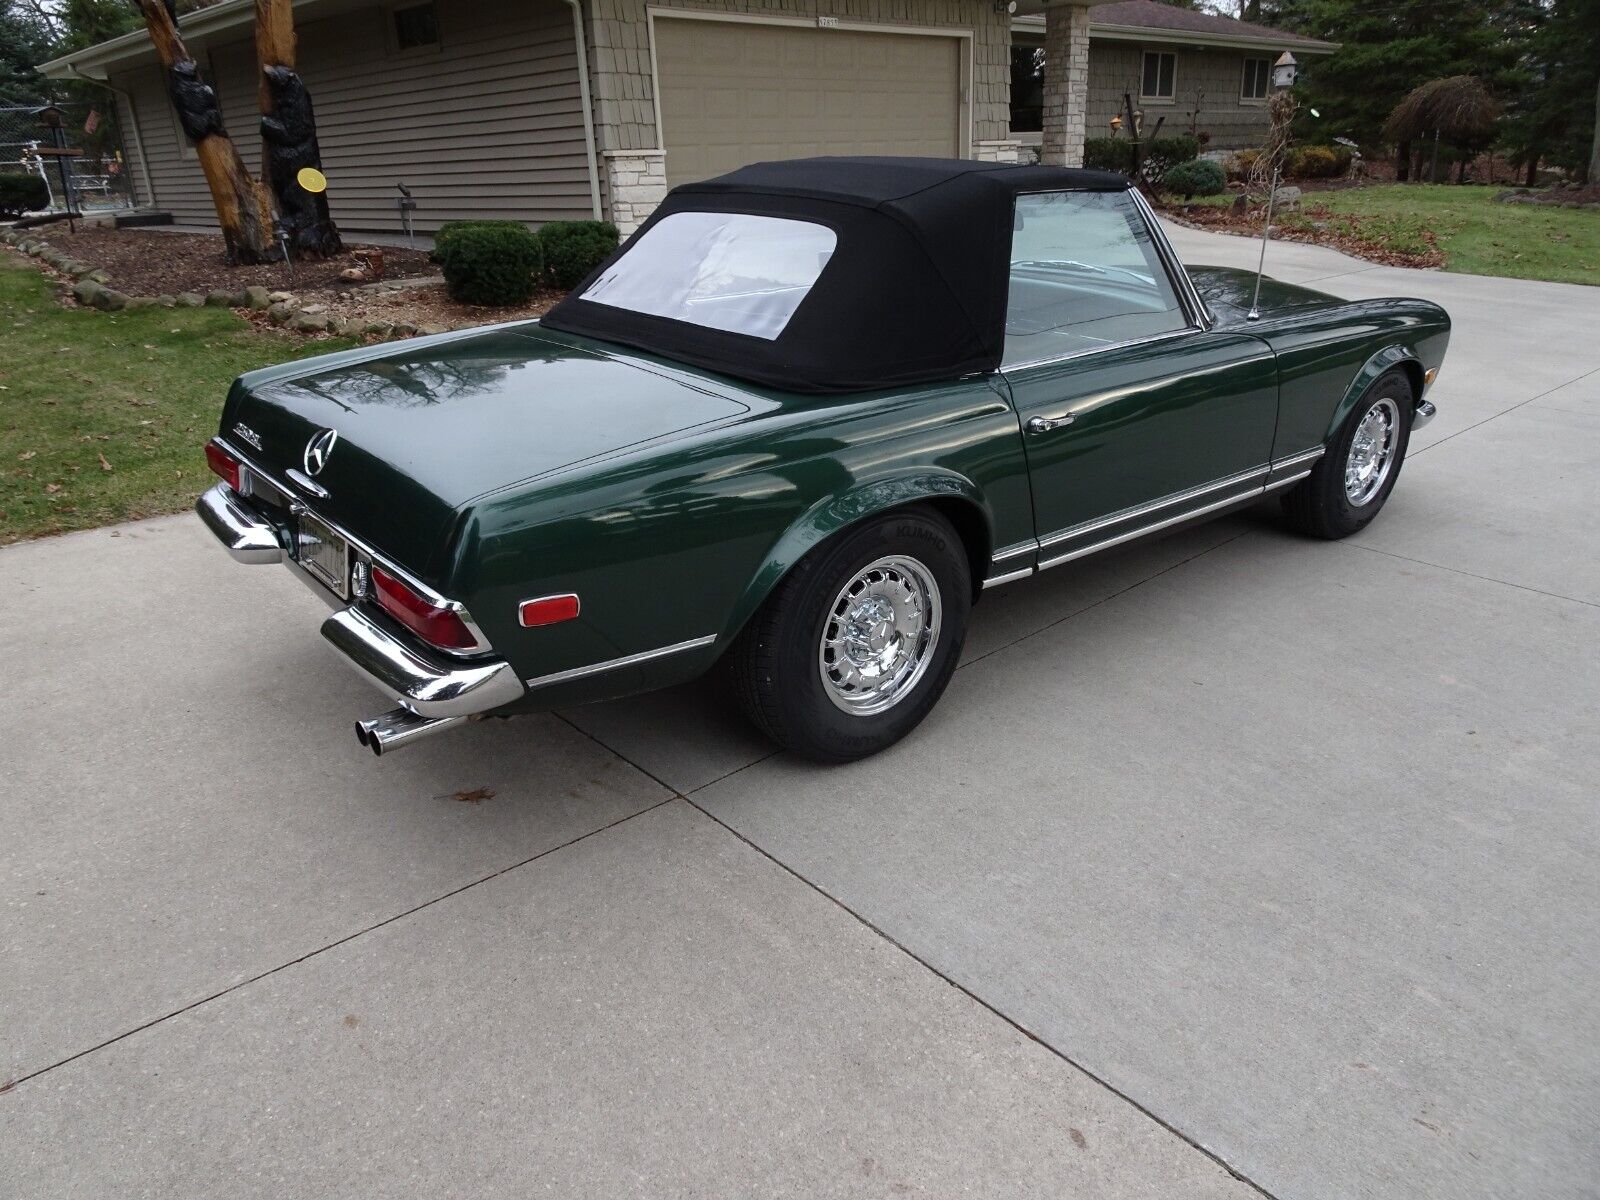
x: 1402, y: 162
x: 1533, y: 171
x: 244, y: 209
x: 289, y: 136
x: 1594, y: 148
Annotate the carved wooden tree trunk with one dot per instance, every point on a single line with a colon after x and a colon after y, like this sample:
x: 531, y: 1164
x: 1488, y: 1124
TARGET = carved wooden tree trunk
x: 289, y: 136
x: 244, y: 209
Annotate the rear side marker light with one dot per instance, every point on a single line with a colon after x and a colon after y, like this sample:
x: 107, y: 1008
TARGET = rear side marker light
x: 224, y: 464
x: 547, y: 610
x: 433, y: 623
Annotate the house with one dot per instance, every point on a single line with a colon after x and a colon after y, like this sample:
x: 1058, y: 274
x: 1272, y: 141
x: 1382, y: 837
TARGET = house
x: 1203, y: 73
x: 540, y: 110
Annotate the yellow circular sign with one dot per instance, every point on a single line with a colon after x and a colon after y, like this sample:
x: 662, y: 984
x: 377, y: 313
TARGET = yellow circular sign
x: 312, y: 179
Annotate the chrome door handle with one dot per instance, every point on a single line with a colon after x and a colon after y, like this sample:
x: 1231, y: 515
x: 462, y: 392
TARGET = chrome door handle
x: 1046, y: 424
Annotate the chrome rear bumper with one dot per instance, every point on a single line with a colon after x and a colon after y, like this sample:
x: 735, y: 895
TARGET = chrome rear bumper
x: 420, y: 681
x: 1425, y: 412
x: 240, y: 530
x: 428, y: 686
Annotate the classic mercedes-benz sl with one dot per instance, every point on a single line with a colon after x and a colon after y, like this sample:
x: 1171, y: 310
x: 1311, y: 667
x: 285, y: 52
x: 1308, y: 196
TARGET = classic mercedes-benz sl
x: 796, y: 425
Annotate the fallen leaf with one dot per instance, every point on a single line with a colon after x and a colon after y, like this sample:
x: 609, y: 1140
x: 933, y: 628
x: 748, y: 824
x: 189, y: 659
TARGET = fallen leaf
x: 26, y: 455
x: 51, y: 489
x: 104, y: 465
x: 475, y: 796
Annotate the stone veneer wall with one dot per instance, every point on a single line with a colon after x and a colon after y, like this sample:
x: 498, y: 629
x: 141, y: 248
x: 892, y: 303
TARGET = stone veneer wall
x: 618, y: 34
x: 1066, y: 81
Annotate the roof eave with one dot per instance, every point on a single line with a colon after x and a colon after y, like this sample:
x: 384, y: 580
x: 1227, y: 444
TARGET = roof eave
x: 1034, y: 23
x: 95, y: 62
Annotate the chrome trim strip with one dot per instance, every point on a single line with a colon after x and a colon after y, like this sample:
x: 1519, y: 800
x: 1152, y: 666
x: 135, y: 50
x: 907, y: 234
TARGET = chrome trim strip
x: 1006, y: 552
x: 1178, y: 519
x: 997, y: 580
x: 428, y: 687
x: 1285, y: 481
x: 304, y: 482
x: 614, y: 664
x: 1294, y: 460
x: 1199, y: 313
x: 1186, y: 331
x: 1139, y: 510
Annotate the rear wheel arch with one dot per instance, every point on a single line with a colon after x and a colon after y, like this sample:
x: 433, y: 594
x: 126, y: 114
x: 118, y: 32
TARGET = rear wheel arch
x: 952, y: 497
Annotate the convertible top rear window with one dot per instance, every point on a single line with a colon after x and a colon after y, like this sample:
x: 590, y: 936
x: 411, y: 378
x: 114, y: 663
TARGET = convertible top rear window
x: 731, y: 271
x: 823, y: 274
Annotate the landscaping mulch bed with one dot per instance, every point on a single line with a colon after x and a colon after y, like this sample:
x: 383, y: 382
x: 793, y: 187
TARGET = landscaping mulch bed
x: 1312, y: 224
x: 145, y: 262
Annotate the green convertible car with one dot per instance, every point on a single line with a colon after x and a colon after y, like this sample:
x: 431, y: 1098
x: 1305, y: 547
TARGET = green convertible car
x: 797, y: 424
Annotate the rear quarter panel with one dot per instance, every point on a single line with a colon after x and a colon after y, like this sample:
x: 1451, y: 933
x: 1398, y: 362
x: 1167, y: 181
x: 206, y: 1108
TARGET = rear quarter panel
x: 684, y: 542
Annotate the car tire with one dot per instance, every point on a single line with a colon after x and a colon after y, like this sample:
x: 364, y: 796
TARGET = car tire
x: 1350, y: 483
x: 836, y: 690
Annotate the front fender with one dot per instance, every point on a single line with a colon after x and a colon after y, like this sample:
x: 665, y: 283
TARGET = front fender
x: 1384, y: 360
x: 850, y: 507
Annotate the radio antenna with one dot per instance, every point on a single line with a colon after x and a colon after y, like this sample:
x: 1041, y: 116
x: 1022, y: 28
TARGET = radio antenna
x: 1266, y: 233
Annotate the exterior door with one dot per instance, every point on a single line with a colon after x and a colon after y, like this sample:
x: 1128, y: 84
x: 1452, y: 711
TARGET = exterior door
x: 1133, y: 415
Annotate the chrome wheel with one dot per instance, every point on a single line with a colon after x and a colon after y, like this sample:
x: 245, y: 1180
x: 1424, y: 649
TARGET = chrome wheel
x: 1372, y: 452
x: 879, y: 636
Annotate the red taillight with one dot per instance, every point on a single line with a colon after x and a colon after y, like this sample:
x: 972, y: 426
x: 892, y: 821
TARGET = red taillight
x: 224, y: 464
x: 547, y: 610
x: 438, y: 626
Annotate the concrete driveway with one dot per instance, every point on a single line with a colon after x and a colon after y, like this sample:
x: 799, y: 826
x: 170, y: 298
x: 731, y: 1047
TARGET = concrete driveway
x: 1231, y: 864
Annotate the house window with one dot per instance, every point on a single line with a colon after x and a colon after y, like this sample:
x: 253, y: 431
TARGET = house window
x: 1257, y: 73
x: 416, y: 27
x: 1160, y: 80
x: 1027, y: 89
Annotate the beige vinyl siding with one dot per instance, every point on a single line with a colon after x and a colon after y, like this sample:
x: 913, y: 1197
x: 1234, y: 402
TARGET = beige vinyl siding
x: 488, y: 126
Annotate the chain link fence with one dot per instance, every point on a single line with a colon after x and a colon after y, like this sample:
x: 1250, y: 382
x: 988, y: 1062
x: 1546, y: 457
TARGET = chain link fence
x: 96, y: 179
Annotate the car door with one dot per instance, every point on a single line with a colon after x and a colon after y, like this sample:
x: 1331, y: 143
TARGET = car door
x: 1135, y: 414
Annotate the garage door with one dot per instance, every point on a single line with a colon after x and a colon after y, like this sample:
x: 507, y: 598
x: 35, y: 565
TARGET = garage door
x: 739, y: 92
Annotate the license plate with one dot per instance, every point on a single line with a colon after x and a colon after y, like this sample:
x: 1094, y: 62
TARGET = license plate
x: 324, y: 554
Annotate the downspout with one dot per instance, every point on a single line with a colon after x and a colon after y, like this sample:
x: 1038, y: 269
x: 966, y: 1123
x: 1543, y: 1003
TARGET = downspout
x: 588, y: 110
x: 133, y: 128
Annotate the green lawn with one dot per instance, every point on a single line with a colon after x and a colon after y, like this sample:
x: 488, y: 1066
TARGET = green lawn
x: 1478, y: 236
x: 103, y: 416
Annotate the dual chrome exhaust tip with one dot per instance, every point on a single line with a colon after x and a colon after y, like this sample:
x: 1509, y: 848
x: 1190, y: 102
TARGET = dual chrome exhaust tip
x: 400, y: 727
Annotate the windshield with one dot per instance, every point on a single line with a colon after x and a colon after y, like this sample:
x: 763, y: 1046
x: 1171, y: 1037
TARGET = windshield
x: 730, y: 271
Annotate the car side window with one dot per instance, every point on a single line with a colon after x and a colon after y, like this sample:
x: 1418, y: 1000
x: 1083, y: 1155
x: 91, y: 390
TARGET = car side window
x: 1085, y: 273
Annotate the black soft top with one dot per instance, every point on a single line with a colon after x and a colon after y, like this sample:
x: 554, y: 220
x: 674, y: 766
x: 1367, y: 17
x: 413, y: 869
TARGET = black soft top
x: 915, y: 290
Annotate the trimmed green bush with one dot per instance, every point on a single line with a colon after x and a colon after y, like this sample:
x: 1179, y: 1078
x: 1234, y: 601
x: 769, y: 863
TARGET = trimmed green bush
x: 1197, y: 177
x: 572, y: 249
x: 1160, y: 154
x: 492, y: 263
x: 449, y: 230
x: 21, y: 193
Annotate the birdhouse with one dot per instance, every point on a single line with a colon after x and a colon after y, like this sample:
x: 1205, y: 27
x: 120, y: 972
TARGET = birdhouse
x: 49, y: 116
x: 1284, y: 70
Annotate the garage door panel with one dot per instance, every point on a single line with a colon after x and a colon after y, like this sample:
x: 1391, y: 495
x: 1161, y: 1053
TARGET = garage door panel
x: 739, y: 92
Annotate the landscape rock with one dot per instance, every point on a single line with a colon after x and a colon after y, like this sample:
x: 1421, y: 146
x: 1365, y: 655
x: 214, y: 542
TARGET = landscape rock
x: 279, y: 312
x: 167, y: 301
x: 309, y: 323
x: 190, y: 299
x: 85, y: 291
x: 98, y: 276
x: 110, y: 300
x: 404, y: 329
x: 378, y: 328
x: 218, y: 298
x: 1288, y: 199
x: 428, y: 329
x: 257, y: 297
x: 280, y: 297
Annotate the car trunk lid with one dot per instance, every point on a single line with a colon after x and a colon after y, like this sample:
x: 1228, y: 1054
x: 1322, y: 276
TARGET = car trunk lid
x: 423, y: 428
